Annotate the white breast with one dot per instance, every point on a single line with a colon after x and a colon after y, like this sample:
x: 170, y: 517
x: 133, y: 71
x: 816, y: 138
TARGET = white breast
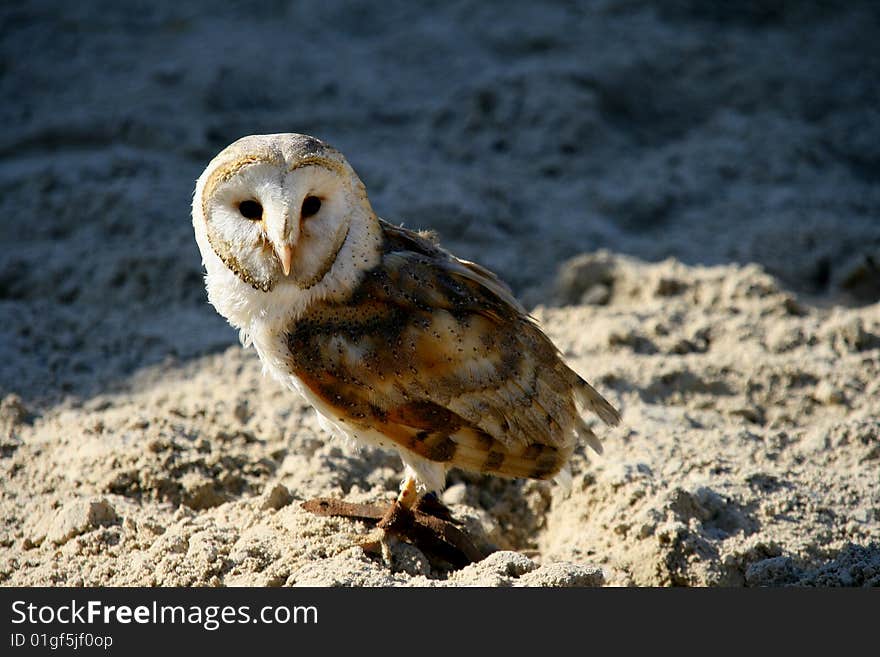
x: 265, y: 318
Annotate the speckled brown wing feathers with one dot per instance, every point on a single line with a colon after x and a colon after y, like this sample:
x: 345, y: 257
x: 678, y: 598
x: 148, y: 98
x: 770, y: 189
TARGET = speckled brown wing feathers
x: 436, y: 354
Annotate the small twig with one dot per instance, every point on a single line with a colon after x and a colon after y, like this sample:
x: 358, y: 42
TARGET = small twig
x: 329, y: 506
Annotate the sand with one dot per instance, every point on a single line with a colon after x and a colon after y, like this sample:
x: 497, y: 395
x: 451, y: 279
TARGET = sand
x: 686, y: 198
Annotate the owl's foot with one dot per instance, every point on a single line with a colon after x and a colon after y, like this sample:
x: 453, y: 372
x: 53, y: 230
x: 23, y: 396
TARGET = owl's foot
x: 434, y: 535
x: 427, y: 524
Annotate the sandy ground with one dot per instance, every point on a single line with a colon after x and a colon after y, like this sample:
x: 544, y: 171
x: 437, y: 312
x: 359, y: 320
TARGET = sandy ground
x: 687, y: 197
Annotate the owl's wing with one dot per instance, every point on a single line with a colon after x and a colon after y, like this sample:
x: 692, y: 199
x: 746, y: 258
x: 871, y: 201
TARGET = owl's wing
x: 434, y: 353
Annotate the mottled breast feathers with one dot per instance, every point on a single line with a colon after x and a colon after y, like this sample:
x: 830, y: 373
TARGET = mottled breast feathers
x: 437, y: 355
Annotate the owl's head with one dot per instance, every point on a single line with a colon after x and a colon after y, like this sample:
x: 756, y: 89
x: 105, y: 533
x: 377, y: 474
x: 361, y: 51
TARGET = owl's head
x: 276, y: 210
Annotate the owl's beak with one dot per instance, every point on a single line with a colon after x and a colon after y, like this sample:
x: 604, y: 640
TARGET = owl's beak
x: 285, y: 256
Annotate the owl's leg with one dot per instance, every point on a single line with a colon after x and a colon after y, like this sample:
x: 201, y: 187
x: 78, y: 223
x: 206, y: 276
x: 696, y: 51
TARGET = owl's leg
x: 416, y: 495
x: 409, y: 495
x: 421, y: 477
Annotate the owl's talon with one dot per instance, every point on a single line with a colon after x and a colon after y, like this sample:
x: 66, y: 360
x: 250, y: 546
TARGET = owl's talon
x: 378, y: 544
x: 371, y: 548
x: 374, y: 543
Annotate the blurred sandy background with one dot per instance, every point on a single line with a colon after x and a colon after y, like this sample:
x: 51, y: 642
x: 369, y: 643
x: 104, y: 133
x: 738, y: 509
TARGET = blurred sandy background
x: 686, y: 193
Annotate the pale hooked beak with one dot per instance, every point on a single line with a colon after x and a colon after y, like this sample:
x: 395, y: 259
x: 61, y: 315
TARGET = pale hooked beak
x: 285, y: 255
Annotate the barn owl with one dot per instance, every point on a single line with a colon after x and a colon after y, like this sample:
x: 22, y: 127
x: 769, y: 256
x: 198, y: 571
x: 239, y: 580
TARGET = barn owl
x: 394, y: 341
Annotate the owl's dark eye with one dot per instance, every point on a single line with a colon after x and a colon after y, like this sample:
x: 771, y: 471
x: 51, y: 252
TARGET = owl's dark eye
x: 250, y: 210
x: 310, y: 206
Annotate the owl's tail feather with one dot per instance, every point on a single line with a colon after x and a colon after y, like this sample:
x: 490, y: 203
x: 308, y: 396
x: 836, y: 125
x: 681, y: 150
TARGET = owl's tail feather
x: 586, y: 434
x: 591, y: 400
